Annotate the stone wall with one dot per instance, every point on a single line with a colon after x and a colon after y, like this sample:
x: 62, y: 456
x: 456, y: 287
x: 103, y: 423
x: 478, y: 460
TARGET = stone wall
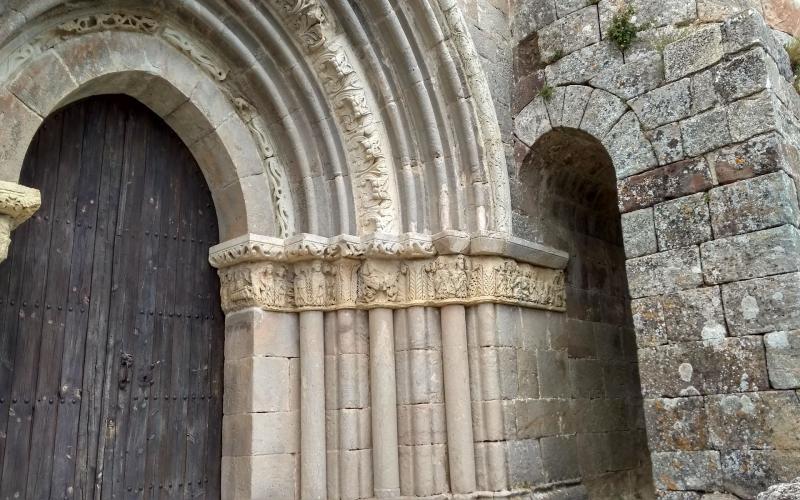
x: 701, y: 124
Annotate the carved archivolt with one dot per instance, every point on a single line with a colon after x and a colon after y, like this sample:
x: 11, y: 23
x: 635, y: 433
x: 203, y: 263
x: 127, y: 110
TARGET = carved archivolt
x: 372, y: 180
x: 368, y: 283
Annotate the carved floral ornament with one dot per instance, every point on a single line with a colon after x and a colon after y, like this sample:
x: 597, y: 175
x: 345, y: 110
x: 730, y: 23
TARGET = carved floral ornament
x: 316, y: 273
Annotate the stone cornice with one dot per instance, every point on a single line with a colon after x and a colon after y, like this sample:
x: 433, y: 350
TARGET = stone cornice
x: 308, y: 272
x: 18, y: 202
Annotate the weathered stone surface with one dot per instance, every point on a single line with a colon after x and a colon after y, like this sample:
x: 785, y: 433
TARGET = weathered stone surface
x: 704, y: 95
x: 664, y: 272
x: 585, y: 64
x: 525, y: 463
x: 648, y: 321
x: 649, y: 12
x: 569, y: 33
x: 638, y: 233
x: 664, y: 183
x: 783, y: 491
x: 560, y: 457
x: 694, y: 314
x: 754, y: 115
x: 682, y: 222
x: 705, y: 132
x: 576, y: 97
x: 631, y: 79
x: 748, y: 28
x: 783, y: 15
x: 759, y: 155
x: 748, y: 472
x: 666, y: 104
x: 762, y: 305
x: 754, y: 420
x: 602, y: 112
x: 718, y: 10
x: 629, y: 149
x: 752, y: 255
x: 783, y: 359
x: 687, y: 470
x: 698, y: 50
x: 532, y: 122
x: 675, y: 424
x: 530, y: 16
x: 709, y: 367
x: 543, y: 417
x: 745, y: 74
x: 754, y: 204
x: 552, y: 372
x: 667, y: 143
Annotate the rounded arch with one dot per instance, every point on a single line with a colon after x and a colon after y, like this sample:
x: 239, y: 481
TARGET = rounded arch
x: 161, y: 78
x: 365, y: 118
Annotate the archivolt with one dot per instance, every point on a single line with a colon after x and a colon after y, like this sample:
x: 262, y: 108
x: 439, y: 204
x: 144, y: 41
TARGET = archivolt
x: 355, y: 116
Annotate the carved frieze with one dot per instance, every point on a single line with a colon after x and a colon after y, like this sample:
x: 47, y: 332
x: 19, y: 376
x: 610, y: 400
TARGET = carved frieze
x: 368, y: 283
x: 372, y: 179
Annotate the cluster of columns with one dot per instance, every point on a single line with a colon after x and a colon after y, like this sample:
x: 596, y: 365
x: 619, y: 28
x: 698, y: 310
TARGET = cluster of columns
x: 384, y: 403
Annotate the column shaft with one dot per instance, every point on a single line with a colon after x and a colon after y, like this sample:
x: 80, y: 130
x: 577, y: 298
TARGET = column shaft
x: 458, y: 405
x: 383, y: 385
x: 313, y: 481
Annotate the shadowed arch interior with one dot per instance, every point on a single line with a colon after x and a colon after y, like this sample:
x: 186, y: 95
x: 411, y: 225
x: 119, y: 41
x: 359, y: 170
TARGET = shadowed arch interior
x: 568, y: 193
x: 111, y: 336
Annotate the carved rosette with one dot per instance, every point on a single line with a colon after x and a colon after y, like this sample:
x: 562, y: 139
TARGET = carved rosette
x: 368, y: 283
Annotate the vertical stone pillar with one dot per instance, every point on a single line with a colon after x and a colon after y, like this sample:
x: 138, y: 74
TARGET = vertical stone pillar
x: 313, y: 481
x: 386, y: 466
x: 458, y: 405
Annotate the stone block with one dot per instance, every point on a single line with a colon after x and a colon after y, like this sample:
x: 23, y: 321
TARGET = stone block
x: 264, y: 476
x: 754, y: 420
x: 544, y: 417
x: 584, y: 64
x: 602, y: 112
x: 527, y: 372
x: 752, y: 205
x: 560, y: 458
x: 630, y: 152
x: 783, y: 359
x: 745, y: 74
x: 586, y: 378
x: 532, y: 122
x: 254, y: 332
x: 762, y: 305
x: 664, y: 183
x: 648, y: 321
x: 553, y: 372
x: 759, y: 155
x: 530, y: 16
x: 666, y: 104
x: 718, y: 10
x: 260, y: 434
x: 20, y: 124
x: 580, y: 339
x: 682, y: 222
x: 631, y: 79
x: 687, y: 470
x: 698, y: 50
x: 754, y: 115
x: 712, y: 367
x: 747, y: 29
x: 749, y: 472
x: 570, y: 33
x: 676, y: 424
x: 576, y: 97
x: 609, y: 342
x: 257, y: 385
x: 667, y: 143
x: 751, y: 255
x: 704, y: 95
x: 43, y: 84
x: 525, y: 467
x: 664, y: 272
x: 705, y: 132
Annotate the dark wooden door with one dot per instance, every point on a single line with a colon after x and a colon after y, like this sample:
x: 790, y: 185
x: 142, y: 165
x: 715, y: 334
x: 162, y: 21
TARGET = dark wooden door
x: 111, y: 333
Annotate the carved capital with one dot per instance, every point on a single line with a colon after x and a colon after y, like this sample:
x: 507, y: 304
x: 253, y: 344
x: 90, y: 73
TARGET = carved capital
x: 18, y: 202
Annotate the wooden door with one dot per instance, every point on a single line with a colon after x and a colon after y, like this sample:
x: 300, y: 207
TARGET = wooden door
x: 111, y: 333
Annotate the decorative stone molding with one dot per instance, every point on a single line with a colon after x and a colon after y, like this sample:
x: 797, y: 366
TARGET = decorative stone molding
x: 364, y: 141
x: 17, y: 204
x: 308, y: 272
x: 368, y: 283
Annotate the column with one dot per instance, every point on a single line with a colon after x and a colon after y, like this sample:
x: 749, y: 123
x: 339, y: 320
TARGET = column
x: 313, y: 482
x: 458, y: 406
x: 385, y: 467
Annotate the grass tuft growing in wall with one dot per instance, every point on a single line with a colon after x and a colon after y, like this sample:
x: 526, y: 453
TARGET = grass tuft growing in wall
x: 623, y: 30
x: 547, y: 92
x: 793, y: 49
